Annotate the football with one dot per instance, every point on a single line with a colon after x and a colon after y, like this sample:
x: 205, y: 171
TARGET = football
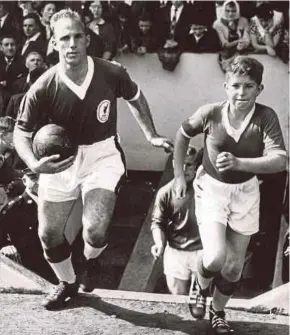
x: 53, y: 139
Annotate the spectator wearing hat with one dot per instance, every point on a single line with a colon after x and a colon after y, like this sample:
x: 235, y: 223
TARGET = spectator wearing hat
x: 232, y: 30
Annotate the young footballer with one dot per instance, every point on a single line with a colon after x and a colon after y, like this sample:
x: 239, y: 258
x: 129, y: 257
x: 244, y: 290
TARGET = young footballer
x: 242, y: 138
x: 174, y: 229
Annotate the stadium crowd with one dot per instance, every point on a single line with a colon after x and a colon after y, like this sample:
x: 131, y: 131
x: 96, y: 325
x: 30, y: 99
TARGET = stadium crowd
x: 168, y: 28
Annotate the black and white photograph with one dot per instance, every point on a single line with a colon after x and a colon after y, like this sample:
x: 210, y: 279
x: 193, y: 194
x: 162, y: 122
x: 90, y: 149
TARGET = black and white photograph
x: 144, y: 167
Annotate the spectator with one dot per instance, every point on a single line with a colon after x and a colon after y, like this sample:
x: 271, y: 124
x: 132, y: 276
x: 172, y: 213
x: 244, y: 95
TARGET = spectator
x: 11, y: 165
x: 33, y: 60
x: 8, y: 23
x: 283, y: 45
x: 47, y: 10
x: 4, y: 100
x: 203, y: 9
x: 174, y: 24
x: 15, y: 100
x: 144, y: 38
x: 34, y: 39
x: 11, y: 65
x: 200, y: 38
x: 173, y: 29
x: 123, y: 28
x: 103, y: 29
x: 26, y: 7
x: 18, y: 217
x: 266, y: 29
x: 232, y: 30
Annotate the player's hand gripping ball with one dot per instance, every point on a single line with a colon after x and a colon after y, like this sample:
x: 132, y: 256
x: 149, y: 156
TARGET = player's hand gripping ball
x: 53, y: 139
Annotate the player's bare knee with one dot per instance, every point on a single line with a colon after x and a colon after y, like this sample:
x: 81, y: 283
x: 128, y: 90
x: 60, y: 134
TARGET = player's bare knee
x: 95, y: 236
x: 214, y: 261
x: 232, y: 271
x: 49, y: 237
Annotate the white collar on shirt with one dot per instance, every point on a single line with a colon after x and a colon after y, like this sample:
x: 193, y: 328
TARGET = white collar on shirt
x: 81, y: 90
x: 178, y: 12
x: 33, y: 38
x: 233, y: 132
x: 2, y: 20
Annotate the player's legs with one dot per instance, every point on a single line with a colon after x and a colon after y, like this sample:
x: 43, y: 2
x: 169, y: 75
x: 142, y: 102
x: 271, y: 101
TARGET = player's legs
x: 176, y: 270
x: 227, y: 281
x: 211, y: 200
x: 100, y: 176
x: 52, y: 218
x: 177, y: 286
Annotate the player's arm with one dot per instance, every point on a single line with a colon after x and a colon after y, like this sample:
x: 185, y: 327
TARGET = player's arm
x: 23, y: 146
x: 159, y: 220
x: 188, y: 130
x: 273, y: 162
x: 139, y: 107
x: 141, y: 111
x: 274, y: 158
x: 27, y: 119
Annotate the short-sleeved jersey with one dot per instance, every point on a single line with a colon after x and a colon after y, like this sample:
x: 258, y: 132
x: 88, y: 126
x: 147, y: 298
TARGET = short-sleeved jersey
x: 262, y: 135
x: 90, y: 116
x: 176, y: 219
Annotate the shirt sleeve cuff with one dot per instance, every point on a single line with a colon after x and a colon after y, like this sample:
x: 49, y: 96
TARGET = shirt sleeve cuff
x: 136, y: 96
x: 23, y: 133
x: 184, y: 133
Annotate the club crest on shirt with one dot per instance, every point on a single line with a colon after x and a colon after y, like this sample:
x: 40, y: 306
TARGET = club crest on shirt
x: 103, y: 111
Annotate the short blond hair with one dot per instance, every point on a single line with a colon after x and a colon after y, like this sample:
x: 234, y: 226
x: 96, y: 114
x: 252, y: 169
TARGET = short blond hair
x: 68, y: 14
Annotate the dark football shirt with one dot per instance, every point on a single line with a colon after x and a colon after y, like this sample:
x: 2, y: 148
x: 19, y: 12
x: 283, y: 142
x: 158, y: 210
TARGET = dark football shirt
x: 176, y: 218
x: 261, y: 136
x: 90, y: 118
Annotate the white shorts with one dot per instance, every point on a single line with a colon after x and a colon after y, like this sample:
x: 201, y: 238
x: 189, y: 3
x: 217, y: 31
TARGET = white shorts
x: 180, y: 264
x: 99, y: 165
x: 236, y: 205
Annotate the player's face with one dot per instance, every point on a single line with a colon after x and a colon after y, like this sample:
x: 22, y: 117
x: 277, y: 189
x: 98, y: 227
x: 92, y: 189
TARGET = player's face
x: 242, y: 91
x: 70, y: 41
x: 8, y: 47
x: 189, y: 168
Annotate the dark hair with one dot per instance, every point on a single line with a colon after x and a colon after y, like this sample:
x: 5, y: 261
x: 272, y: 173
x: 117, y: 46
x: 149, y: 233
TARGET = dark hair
x: 246, y: 66
x: 7, y: 35
x: 264, y: 11
x: 145, y: 16
x: 34, y: 17
x: 124, y: 10
x: 7, y: 124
